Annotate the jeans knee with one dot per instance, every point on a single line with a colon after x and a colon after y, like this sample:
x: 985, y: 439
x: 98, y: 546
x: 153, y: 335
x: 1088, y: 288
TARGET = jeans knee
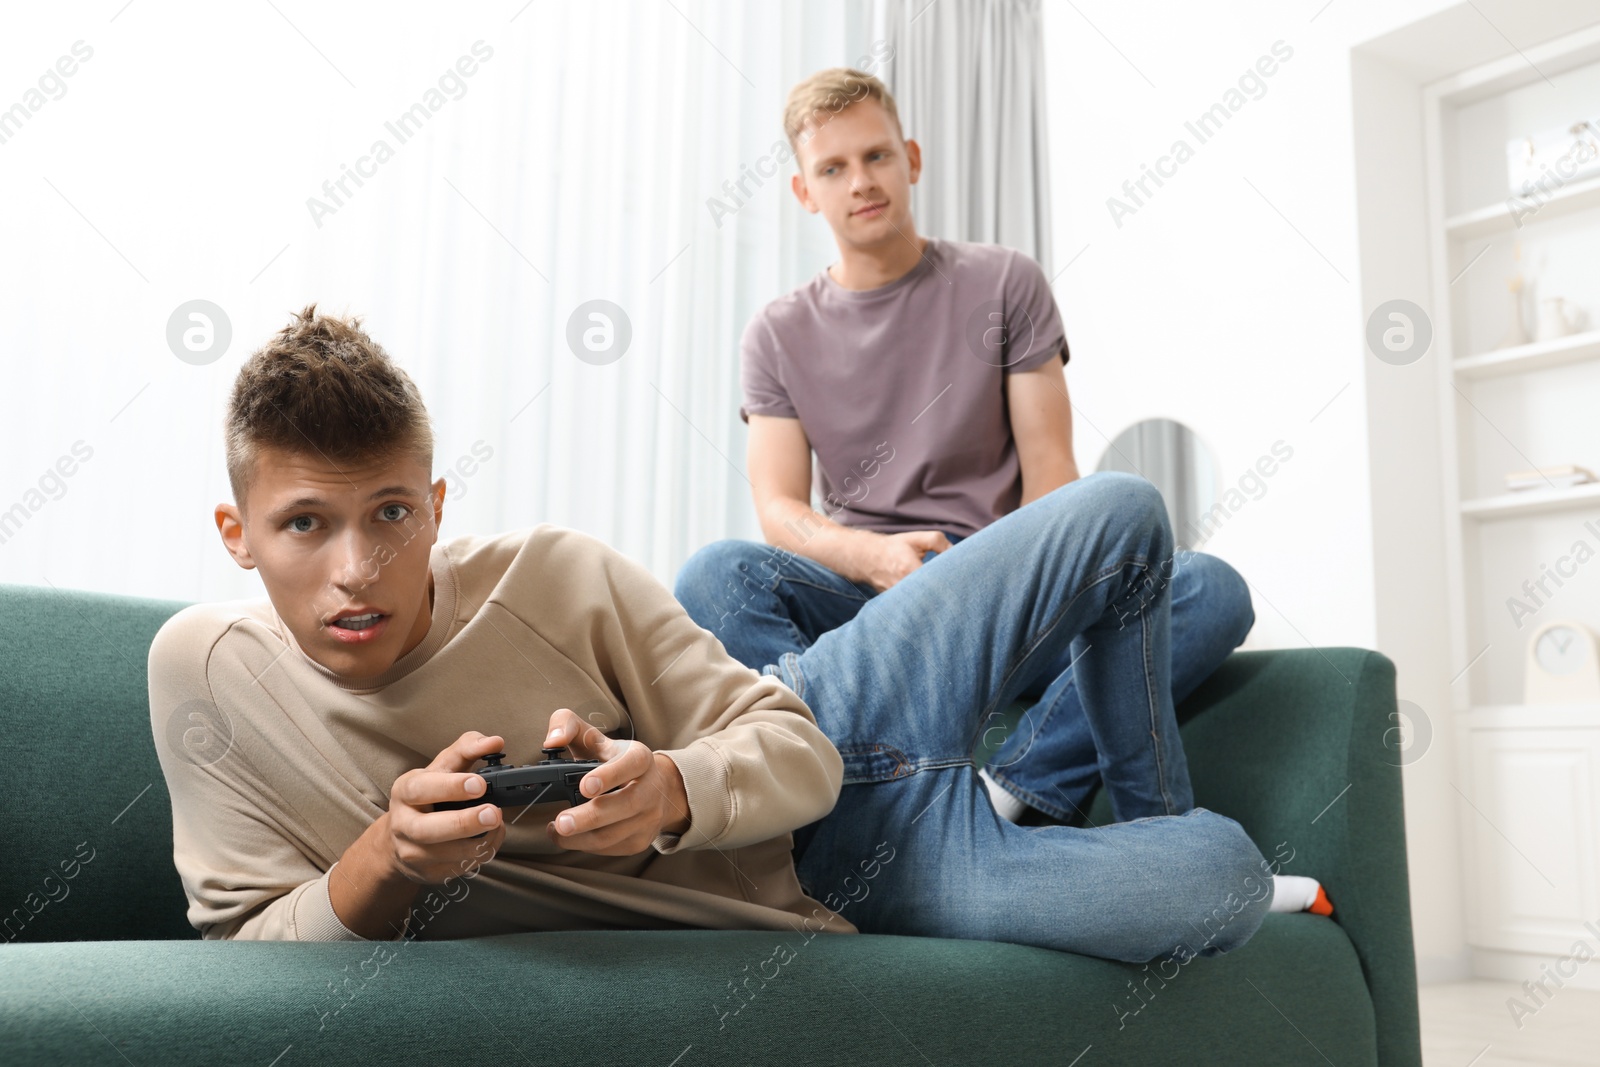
x: 1135, y: 500
x: 1233, y: 896
x: 707, y: 574
x: 1227, y: 596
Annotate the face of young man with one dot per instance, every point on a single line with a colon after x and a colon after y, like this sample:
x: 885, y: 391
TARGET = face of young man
x: 858, y: 173
x: 333, y: 543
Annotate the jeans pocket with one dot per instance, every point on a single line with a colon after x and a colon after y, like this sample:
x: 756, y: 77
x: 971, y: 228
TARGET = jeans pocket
x: 873, y: 763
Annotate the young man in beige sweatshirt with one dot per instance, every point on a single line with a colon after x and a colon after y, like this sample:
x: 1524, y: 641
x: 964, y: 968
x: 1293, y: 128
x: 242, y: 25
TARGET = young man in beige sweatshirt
x: 306, y: 737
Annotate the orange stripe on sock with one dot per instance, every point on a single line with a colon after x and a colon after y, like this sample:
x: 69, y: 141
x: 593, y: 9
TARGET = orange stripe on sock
x: 1322, y: 905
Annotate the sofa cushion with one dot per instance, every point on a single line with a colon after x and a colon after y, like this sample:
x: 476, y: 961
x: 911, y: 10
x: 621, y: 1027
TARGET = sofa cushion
x: 1294, y: 991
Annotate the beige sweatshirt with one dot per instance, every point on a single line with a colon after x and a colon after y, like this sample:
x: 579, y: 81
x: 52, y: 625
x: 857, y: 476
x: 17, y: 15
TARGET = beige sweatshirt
x: 275, y: 765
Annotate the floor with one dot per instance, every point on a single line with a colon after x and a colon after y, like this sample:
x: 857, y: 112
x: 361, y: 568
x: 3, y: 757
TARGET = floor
x: 1468, y: 1023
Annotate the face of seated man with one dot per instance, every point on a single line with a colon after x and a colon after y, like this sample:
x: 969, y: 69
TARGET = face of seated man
x: 857, y: 171
x: 330, y: 540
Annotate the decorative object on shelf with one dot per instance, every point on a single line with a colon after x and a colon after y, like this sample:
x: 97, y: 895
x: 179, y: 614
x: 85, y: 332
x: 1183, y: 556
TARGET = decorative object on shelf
x: 1558, y: 318
x: 1551, y: 158
x: 1518, y: 333
x: 1563, y: 664
x: 1561, y: 477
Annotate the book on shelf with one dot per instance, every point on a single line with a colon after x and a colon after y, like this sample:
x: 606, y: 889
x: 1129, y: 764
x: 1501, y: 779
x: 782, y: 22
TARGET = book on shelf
x: 1545, y: 477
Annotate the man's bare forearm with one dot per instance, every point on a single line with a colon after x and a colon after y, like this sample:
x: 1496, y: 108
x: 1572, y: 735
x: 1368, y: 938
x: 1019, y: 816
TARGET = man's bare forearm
x: 1049, y: 481
x: 795, y: 527
x: 369, y: 895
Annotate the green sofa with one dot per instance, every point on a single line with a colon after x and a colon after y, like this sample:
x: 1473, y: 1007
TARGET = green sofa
x: 98, y: 965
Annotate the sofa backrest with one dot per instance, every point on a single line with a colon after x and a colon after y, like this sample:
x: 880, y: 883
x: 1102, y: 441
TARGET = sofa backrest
x: 85, y: 819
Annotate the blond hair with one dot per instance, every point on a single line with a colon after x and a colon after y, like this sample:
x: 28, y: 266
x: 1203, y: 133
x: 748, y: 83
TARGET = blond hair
x: 826, y: 93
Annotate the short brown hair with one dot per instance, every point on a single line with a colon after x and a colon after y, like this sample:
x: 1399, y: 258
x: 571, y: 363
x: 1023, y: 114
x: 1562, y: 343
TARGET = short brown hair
x: 322, y: 387
x: 826, y: 93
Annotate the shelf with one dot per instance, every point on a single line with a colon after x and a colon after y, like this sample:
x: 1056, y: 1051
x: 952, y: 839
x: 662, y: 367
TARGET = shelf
x: 1530, y: 716
x: 1574, y: 348
x: 1532, y: 502
x: 1498, y: 218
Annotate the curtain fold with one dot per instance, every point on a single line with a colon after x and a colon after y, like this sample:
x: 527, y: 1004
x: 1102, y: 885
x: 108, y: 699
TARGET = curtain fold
x: 968, y: 79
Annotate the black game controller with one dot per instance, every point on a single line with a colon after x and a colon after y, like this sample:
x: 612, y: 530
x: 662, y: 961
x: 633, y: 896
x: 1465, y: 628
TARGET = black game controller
x: 551, y: 779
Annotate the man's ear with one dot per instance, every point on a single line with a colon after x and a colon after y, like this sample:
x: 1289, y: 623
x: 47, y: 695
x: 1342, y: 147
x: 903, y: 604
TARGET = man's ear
x: 231, y: 527
x: 914, y: 158
x: 438, y: 491
x: 802, y: 194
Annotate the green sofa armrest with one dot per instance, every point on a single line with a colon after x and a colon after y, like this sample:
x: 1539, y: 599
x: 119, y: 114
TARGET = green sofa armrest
x: 1297, y: 745
x: 85, y: 812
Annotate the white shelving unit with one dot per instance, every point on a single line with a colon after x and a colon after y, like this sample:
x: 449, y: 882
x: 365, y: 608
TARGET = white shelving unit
x: 1531, y: 773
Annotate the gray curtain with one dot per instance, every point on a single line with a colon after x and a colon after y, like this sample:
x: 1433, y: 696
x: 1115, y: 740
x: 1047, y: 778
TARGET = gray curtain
x: 968, y: 79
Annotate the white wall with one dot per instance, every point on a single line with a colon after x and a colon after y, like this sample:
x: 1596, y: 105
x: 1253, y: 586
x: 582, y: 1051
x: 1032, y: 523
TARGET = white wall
x: 1207, y: 305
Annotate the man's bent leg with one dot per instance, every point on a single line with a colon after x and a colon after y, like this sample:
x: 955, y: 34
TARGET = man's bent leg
x: 1049, y: 759
x: 762, y: 601
x: 907, y: 684
x: 927, y: 855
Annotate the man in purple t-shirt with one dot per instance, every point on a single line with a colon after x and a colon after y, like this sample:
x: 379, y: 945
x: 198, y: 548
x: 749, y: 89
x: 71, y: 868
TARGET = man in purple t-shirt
x: 922, y: 374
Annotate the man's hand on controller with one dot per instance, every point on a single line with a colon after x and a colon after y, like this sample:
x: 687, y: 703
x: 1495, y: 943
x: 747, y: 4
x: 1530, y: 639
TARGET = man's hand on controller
x: 651, y: 799
x: 429, y: 846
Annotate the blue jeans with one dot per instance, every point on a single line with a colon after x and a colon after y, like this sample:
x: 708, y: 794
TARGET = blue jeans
x: 906, y: 686
x: 762, y: 602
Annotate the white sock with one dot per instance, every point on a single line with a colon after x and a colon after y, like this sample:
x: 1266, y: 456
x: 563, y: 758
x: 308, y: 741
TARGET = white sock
x: 1009, y: 807
x: 1293, y: 892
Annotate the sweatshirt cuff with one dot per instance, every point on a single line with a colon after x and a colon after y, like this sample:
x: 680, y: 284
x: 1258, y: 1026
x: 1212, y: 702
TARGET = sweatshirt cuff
x: 705, y: 783
x: 315, y: 919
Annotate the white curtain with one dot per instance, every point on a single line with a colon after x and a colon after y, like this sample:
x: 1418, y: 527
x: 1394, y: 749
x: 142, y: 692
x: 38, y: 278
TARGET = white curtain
x: 968, y: 80
x: 577, y: 162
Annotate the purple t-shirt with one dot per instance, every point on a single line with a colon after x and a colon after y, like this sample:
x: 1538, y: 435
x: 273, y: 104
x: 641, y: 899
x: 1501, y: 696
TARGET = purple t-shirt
x: 901, y: 389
